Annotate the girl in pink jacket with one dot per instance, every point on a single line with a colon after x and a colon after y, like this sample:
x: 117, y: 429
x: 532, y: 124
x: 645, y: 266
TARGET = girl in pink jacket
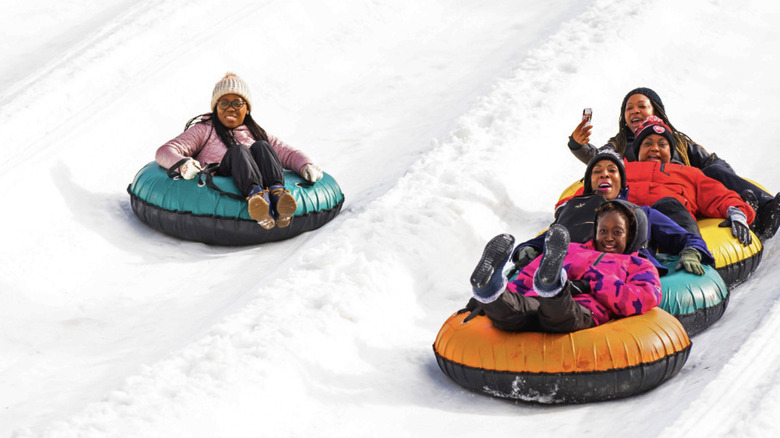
x: 229, y: 137
x: 572, y: 286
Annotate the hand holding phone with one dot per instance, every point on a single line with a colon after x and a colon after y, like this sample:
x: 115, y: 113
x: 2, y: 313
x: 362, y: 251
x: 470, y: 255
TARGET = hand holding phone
x: 581, y: 134
x: 587, y: 113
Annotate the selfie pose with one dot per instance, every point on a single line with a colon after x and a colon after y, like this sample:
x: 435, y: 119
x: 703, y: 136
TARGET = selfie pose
x: 641, y: 103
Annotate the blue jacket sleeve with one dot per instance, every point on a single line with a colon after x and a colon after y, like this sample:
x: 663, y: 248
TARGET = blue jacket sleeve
x: 648, y: 254
x: 667, y: 236
x: 537, y: 242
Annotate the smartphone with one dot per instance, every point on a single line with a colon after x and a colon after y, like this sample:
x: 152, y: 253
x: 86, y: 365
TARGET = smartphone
x: 587, y: 113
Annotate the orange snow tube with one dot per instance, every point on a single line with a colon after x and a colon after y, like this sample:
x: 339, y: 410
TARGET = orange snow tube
x: 623, y: 357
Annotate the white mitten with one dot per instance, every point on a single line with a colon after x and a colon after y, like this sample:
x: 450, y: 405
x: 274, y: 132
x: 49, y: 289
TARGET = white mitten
x: 189, y: 169
x: 311, y: 173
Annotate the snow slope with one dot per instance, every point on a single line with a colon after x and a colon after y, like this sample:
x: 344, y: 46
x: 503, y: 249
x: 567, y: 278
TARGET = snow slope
x: 444, y: 122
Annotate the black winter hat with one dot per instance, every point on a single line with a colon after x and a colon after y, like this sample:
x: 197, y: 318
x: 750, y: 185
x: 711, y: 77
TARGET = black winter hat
x: 605, y: 154
x: 640, y: 226
x: 650, y: 94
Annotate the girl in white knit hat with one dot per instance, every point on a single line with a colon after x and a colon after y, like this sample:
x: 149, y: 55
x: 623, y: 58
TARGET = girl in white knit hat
x: 230, y: 137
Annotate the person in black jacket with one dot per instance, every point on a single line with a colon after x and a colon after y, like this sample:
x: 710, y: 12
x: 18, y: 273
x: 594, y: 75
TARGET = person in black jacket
x: 641, y: 103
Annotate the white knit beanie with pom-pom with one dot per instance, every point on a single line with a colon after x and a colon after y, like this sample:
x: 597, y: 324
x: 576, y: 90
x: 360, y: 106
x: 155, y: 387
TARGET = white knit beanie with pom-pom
x: 231, y: 84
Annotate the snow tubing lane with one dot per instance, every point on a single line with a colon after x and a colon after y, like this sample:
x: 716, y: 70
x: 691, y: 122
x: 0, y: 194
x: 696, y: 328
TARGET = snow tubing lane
x: 696, y: 301
x: 192, y: 211
x: 618, y: 359
x: 733, y: 261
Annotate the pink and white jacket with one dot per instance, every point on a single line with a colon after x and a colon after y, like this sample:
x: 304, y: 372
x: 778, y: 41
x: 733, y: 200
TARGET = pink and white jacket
x: 621, y: 284
x: 202, y: 143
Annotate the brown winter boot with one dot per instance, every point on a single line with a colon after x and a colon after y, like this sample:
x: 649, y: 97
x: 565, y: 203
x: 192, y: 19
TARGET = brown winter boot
x: 260, y: 208
x: 284, y: 204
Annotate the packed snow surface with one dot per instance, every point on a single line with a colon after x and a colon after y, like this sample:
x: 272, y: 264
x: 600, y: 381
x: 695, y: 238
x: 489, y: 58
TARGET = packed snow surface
x: 445, y: 123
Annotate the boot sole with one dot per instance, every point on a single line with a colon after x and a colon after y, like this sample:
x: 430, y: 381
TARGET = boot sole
x: 260, y: 211
x: 496, y: 253
x: 285, y: 208
x: 556, y: 245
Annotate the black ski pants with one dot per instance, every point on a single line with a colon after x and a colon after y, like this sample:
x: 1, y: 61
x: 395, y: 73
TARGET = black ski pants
x: 560, y: 314
x: 677, y: 212
x: 257, y: 165
x: 734, y: 182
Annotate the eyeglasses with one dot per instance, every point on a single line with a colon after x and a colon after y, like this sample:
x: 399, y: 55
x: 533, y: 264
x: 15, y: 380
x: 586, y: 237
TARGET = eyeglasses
x: 236, y: 104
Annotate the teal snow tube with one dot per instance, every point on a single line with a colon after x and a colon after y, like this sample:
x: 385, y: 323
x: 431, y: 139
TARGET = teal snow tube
x: 190, y: 210
x: 697, y: 301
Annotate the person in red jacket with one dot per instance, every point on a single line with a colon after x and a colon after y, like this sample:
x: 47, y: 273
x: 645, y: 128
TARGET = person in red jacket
x: 654, y: 178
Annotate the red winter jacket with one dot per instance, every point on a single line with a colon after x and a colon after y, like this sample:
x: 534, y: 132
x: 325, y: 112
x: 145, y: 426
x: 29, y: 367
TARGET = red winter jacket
x: 703, y: 196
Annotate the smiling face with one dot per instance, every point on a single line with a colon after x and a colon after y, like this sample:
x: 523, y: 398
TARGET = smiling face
x: 228, y: 114
x: 655, y: 148
x: 605, y: 179
x: 638, y: 109
x: 611, y: 233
